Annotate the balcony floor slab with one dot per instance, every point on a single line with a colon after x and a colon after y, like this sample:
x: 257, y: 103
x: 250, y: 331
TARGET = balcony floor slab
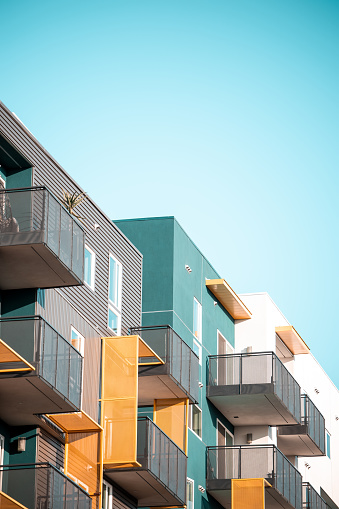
x: 31, y: 265
x: 143, y: 486
x: 24, y: 396
x: 259, y: 405
x: 294, y: 441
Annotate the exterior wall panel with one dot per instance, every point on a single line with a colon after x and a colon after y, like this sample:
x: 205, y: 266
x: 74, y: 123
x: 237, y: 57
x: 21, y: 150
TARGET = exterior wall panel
x: 49, y: 450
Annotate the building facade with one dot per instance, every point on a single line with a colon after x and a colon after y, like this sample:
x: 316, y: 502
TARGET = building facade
x: 132, y: 375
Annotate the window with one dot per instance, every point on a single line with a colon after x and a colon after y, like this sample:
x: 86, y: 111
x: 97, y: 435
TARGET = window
x: 328, y: 444
x: 197, y: 350
x: 78, y: 341
x: 2, y: 183
x: 114, y: 295
x: 89, y: 275
x: 107, y: 496
x: 2, y: 448
x: 197, y: 319
x: 194, y: 419
x: 189, y: 493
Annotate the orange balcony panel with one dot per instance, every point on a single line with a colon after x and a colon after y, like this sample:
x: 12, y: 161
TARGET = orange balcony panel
x: 7, y: 502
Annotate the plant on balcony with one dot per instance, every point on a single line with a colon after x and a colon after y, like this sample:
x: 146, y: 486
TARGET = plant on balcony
x: 71, y: 201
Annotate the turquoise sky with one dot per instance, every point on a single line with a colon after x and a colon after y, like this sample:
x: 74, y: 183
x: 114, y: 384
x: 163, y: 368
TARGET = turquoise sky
x: 221, y: 113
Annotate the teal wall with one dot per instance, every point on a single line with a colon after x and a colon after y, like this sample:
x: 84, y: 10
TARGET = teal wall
x: 19, y: 178
x: 29, y: 456
x: 168, y: 293
x: 18, y: 302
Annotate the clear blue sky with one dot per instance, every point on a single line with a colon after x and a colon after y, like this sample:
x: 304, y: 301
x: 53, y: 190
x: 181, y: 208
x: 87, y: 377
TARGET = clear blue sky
x: 222, y: 113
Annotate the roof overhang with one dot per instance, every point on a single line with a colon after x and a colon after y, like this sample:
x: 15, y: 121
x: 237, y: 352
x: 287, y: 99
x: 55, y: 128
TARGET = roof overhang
x: 228, y: 299
x: 75, y: 422
x: 292, y: 340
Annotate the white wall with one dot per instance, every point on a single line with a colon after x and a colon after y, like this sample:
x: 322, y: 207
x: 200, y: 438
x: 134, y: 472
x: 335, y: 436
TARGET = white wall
x: 259, y: 332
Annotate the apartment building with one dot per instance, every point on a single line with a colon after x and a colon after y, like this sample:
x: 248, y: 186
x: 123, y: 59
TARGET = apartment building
x: 132, y: 375
x: 64, y: 284
x: 263, y: 432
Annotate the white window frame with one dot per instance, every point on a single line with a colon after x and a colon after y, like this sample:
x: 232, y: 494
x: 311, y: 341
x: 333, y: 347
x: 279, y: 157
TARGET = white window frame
x: 2, y: 450
x: 81, y: 340
x: 190, y: 420
x: 199, y: 347
x: 199, y: 336
x: 191, y: 482
x: 3, y: 181
x: 81, y: 350
x: 110, y: 495
x: 116, y: 309
x: 327, y: 435
x: 91, y: 285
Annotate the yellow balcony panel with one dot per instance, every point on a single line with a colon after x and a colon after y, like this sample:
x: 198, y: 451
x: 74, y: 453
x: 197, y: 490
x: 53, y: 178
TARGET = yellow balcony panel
x: 75, y: 422
x: 144, y: 351
x: 248, y: 493
x: 7, y: 502
x: 228, y: 299
x: 292, y: 340
x: 8, y: 355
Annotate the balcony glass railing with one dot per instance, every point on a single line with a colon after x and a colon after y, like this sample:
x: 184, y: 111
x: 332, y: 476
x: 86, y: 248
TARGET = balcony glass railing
x: 157, y: 453
x: 256, y: 368
x: 311, y: 499
x: 34, y: 216
x: 315, y: 422
x: 55, y: 360
x: 247, y: 462
x: 42, y: 486
x: 182, y: 362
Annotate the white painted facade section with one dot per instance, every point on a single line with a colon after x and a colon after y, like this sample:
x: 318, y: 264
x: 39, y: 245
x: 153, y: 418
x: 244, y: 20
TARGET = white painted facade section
x: 259, y: 333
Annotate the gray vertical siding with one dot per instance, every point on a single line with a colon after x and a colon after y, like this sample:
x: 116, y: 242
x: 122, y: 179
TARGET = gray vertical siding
x: 50, y: 450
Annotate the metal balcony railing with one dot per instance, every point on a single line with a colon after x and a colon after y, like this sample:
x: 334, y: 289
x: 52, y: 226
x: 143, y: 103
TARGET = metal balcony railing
x: 55, y: 360
x: 42, y: 486
x: 246, y: 462
x: 311, y: 499
x: 157, y: 453
x: 255, y: 369
x: 180, y: 360
x: 33, y: 216
x: 314, y: 420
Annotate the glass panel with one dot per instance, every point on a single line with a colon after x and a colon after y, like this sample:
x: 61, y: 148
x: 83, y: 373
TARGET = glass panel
x: 62, y: 367
x: 78, y: 251
x: 66, y: 234
x: 50, y: 344
x: 75, y: 376
x: 113, y: 320
x: 88, y: 267
x: 113, y: 282
x: 196, y: 419
x: 53, y: 234
x: 189, y: 494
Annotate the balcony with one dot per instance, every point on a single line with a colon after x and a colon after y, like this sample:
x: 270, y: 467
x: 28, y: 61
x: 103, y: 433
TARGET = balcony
x: 254, y: 462
x: 178, y: 377
x: 160, y: 480
x: 42, y: 486
x: 253, y: 389
x: 41, y: 244
x: 44, y: 378
x: 311, y: 499
x: 307, y: 438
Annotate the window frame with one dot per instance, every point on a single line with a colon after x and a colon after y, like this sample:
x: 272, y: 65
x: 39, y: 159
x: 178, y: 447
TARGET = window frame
x: 190, y: 420
x: 197, y: 344
x: 189, y: 481
x: 90, y: 285
x: 115, y: 308
x: 328, y: 443
x: 199, y: 336
x: 82, y: 341
x: 110, y: 495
